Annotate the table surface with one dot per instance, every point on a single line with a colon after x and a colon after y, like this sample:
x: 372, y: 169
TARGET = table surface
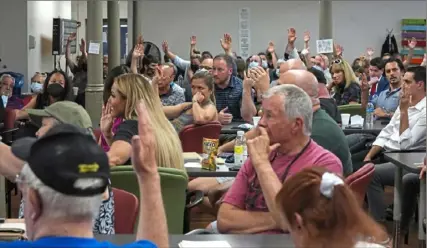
x: 258, y: 240
x: 231, y: 128
x: 199, y: 172
x: 406, y: 160
x: 376, y: 129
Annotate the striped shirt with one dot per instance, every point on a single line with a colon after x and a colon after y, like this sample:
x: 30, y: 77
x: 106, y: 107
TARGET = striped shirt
x: 230, y: 97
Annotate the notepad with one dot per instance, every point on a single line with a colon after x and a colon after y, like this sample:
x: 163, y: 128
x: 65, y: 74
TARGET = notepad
x: 204, y: 244
x: 12, y: 226
x: 191, y: 157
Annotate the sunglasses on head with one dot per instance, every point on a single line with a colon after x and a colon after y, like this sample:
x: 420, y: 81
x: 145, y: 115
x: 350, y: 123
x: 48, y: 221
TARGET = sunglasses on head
x: 337, y: 61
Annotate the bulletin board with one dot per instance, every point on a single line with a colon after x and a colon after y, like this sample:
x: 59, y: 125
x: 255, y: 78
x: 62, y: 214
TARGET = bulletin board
x: 414, y: 28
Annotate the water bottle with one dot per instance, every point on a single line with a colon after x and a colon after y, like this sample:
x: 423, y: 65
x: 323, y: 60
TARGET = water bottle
x: 369, y: 119
x: 240, y: 149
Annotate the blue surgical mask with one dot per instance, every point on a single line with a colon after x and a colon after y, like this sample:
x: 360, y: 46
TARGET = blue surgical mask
x: 264, y: 64
x: 36, y: 87
x: 253, y: 64
x: 4, y: 98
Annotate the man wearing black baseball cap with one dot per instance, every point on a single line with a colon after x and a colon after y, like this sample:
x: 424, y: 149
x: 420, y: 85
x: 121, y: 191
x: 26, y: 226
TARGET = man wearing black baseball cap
x: 63, y: 181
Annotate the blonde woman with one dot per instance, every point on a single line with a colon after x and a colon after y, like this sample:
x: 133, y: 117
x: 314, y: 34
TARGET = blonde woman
x: 127, y: 91
x: 345, y: 83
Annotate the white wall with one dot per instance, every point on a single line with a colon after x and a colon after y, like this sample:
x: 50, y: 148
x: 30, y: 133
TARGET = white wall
x: 357, y: 24
x: 13, y: 30
x: 40, y: 15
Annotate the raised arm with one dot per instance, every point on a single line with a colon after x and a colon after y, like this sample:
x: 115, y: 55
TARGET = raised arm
x: 70, y: 62
x: 137, y: 54
x: 226, y: 44
x: 176, y: 60
x: 306, y: 51
x: 271, y: 49
x: 411, y: 46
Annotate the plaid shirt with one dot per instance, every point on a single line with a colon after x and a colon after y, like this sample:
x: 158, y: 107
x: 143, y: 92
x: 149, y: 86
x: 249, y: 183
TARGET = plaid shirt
x: 230, y: 97
x: 174, y: 97
x: 346, y: 95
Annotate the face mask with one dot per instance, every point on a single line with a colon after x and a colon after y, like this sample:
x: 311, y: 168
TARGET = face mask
x: 253, y: 64
x: 264, y: 64
x: 55, y: 90
x: 36, y: 87
x: 194, y: 67
x: 4, y: 98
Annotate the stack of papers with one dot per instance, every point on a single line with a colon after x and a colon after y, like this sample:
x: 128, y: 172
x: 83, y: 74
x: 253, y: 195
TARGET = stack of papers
x: 192, y: 157
x: 8, y: 226
x: 204, y: 244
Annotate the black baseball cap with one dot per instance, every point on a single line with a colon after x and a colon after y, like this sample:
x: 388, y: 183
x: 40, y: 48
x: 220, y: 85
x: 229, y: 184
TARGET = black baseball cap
x: 67, y: 159
x: 320, y: 76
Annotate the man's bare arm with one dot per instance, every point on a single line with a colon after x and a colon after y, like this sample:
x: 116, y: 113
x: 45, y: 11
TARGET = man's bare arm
x: 10, y: 166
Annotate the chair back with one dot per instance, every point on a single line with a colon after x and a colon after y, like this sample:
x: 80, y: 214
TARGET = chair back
x: 191, y: 136
x: 173, y: 184
x: 352, y: 109
x: 125, y: 211
x: 359, y: 181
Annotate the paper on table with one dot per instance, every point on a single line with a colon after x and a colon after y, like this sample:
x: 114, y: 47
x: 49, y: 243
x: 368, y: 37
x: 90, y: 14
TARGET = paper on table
x: 192, y: 165
x: 204, y: 244
x: 12, y: 226
x: 356, y: 120
x: 94, y: 48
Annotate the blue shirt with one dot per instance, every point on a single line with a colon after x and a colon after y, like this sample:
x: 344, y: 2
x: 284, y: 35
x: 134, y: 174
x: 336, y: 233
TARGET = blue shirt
x: 231, y: 97
x: 71, y: 242
x: 387, y: 100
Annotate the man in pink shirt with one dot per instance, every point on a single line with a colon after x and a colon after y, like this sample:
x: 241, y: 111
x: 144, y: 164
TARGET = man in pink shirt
x: 248, y: 206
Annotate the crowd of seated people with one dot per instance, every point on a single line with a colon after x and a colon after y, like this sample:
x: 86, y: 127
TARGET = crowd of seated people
x: 298, y: 154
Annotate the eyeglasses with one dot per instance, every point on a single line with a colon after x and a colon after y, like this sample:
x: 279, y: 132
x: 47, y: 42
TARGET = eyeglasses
x: 205, y: 67
x: 337, y: 61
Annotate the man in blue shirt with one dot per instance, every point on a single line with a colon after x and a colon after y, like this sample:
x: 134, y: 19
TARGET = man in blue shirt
x: 63, y: 181
x: 388, y: 100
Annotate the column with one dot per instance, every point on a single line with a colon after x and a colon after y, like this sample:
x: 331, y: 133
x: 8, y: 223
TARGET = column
x: 137, y: 20
x: 325, y: 20
x: 113, y: 34
x: 95, y: 84
x: 130, y: 26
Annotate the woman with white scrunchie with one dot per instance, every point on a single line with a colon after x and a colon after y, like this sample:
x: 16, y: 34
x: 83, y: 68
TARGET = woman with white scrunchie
x: 319, y: 210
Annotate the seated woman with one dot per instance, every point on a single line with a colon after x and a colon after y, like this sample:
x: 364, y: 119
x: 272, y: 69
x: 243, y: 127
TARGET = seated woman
x: 56, y: 88
x: 202, y: 110
x: 108, y: 84
x: 126, y: 92
x: 319, y: 210
x: 344, y: 83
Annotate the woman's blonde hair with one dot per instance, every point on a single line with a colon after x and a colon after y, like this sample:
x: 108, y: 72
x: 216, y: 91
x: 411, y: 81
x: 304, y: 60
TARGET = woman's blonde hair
x: 134, y: 88
x: 340, y: 65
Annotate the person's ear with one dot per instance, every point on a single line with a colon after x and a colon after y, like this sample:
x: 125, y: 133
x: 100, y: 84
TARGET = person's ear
x: 36, y: 204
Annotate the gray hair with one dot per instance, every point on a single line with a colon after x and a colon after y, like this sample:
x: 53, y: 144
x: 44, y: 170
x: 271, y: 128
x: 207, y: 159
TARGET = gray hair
x: 296, y: 103
x: 7, y: 76
x: 58, y: 205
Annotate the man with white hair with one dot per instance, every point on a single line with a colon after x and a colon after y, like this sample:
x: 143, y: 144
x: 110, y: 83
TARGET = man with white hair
x: 63, y: 181
x: 6, y: 91
x: 286, y: 124
x: 170, y: 93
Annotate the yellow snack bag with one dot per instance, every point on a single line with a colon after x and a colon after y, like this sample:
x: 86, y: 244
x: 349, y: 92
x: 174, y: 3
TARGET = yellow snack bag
x: 210, y: 148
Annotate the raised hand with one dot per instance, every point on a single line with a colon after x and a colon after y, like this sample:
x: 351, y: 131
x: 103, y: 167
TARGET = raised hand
x: 306, y: 36
x: 72, y: 37
x: 158, y: 75
x: 370, y: 52
x: 260, y: 78
x: 165, y: 46
x: 82, y: 46
x: 140, y: 40
x: 364, y: 85
x: 405, y: 98
x: 292, y: 35
x: 339, y: 50
x: 259, y: 148
x: 247, y: 81
x: 225, y: 118
x: 226, y: 42
x: 144, y: 145
x: 138, y: 51
x: 271, y: 47
x: 193, y: 41
x: 413, y: 43
x: 106, y: 122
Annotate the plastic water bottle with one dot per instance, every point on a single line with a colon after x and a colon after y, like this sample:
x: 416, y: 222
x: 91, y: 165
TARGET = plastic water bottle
x: 240, y: 149
x: 369, y: 119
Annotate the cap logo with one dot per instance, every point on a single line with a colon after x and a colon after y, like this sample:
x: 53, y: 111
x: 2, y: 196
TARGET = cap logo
x: 85, y: 168
x: 88, y: 183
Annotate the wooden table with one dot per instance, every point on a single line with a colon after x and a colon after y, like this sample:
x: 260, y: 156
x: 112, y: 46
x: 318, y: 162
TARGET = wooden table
x: 407, y: 161
x: 242, y: 240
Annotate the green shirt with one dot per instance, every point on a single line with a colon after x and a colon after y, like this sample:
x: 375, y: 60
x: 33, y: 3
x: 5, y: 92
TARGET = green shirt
x: 330, y: 136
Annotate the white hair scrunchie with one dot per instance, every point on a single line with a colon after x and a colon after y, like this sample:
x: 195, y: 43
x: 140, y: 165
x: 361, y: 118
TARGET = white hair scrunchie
x: 329, y: 180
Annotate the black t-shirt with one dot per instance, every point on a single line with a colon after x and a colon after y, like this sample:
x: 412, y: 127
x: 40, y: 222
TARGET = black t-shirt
x: 329, y: 105
x: 125, y: 131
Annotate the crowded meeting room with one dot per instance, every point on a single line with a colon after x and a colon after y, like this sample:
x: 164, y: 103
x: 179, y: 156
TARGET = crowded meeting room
x: 213, y: 124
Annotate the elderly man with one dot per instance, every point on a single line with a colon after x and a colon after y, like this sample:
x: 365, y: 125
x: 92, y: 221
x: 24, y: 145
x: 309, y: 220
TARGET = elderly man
x: 63, y: 181
x: 6, y: 91
x: 287, y: 126
x: 170, y: 93
x: 55, y: 114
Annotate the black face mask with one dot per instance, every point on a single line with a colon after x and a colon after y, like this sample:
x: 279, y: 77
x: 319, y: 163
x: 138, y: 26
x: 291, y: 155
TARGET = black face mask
x: 194, y: 67
x: 55, y: 90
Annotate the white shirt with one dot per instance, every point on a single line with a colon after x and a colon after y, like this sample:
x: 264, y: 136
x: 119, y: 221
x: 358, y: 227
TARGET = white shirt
x: 413, y: 137
x: 367, y: 245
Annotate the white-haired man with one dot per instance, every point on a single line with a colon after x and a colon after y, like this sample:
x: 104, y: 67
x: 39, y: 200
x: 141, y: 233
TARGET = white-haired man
x: 286, y: 124
x: 6, y: 90
x: 63, y: 181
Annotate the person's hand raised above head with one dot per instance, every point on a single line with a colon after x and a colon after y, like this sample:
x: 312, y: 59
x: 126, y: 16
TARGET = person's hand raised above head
x: 226, y: 42
x: 292, y: 35
x: 144, y: 145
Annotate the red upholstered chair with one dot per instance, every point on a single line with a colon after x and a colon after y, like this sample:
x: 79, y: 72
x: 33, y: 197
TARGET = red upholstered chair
x: 125, y: 211
x: 27, y: 99
x: 9, y: 126
x: 359, y: 181
x: 192, y: 135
